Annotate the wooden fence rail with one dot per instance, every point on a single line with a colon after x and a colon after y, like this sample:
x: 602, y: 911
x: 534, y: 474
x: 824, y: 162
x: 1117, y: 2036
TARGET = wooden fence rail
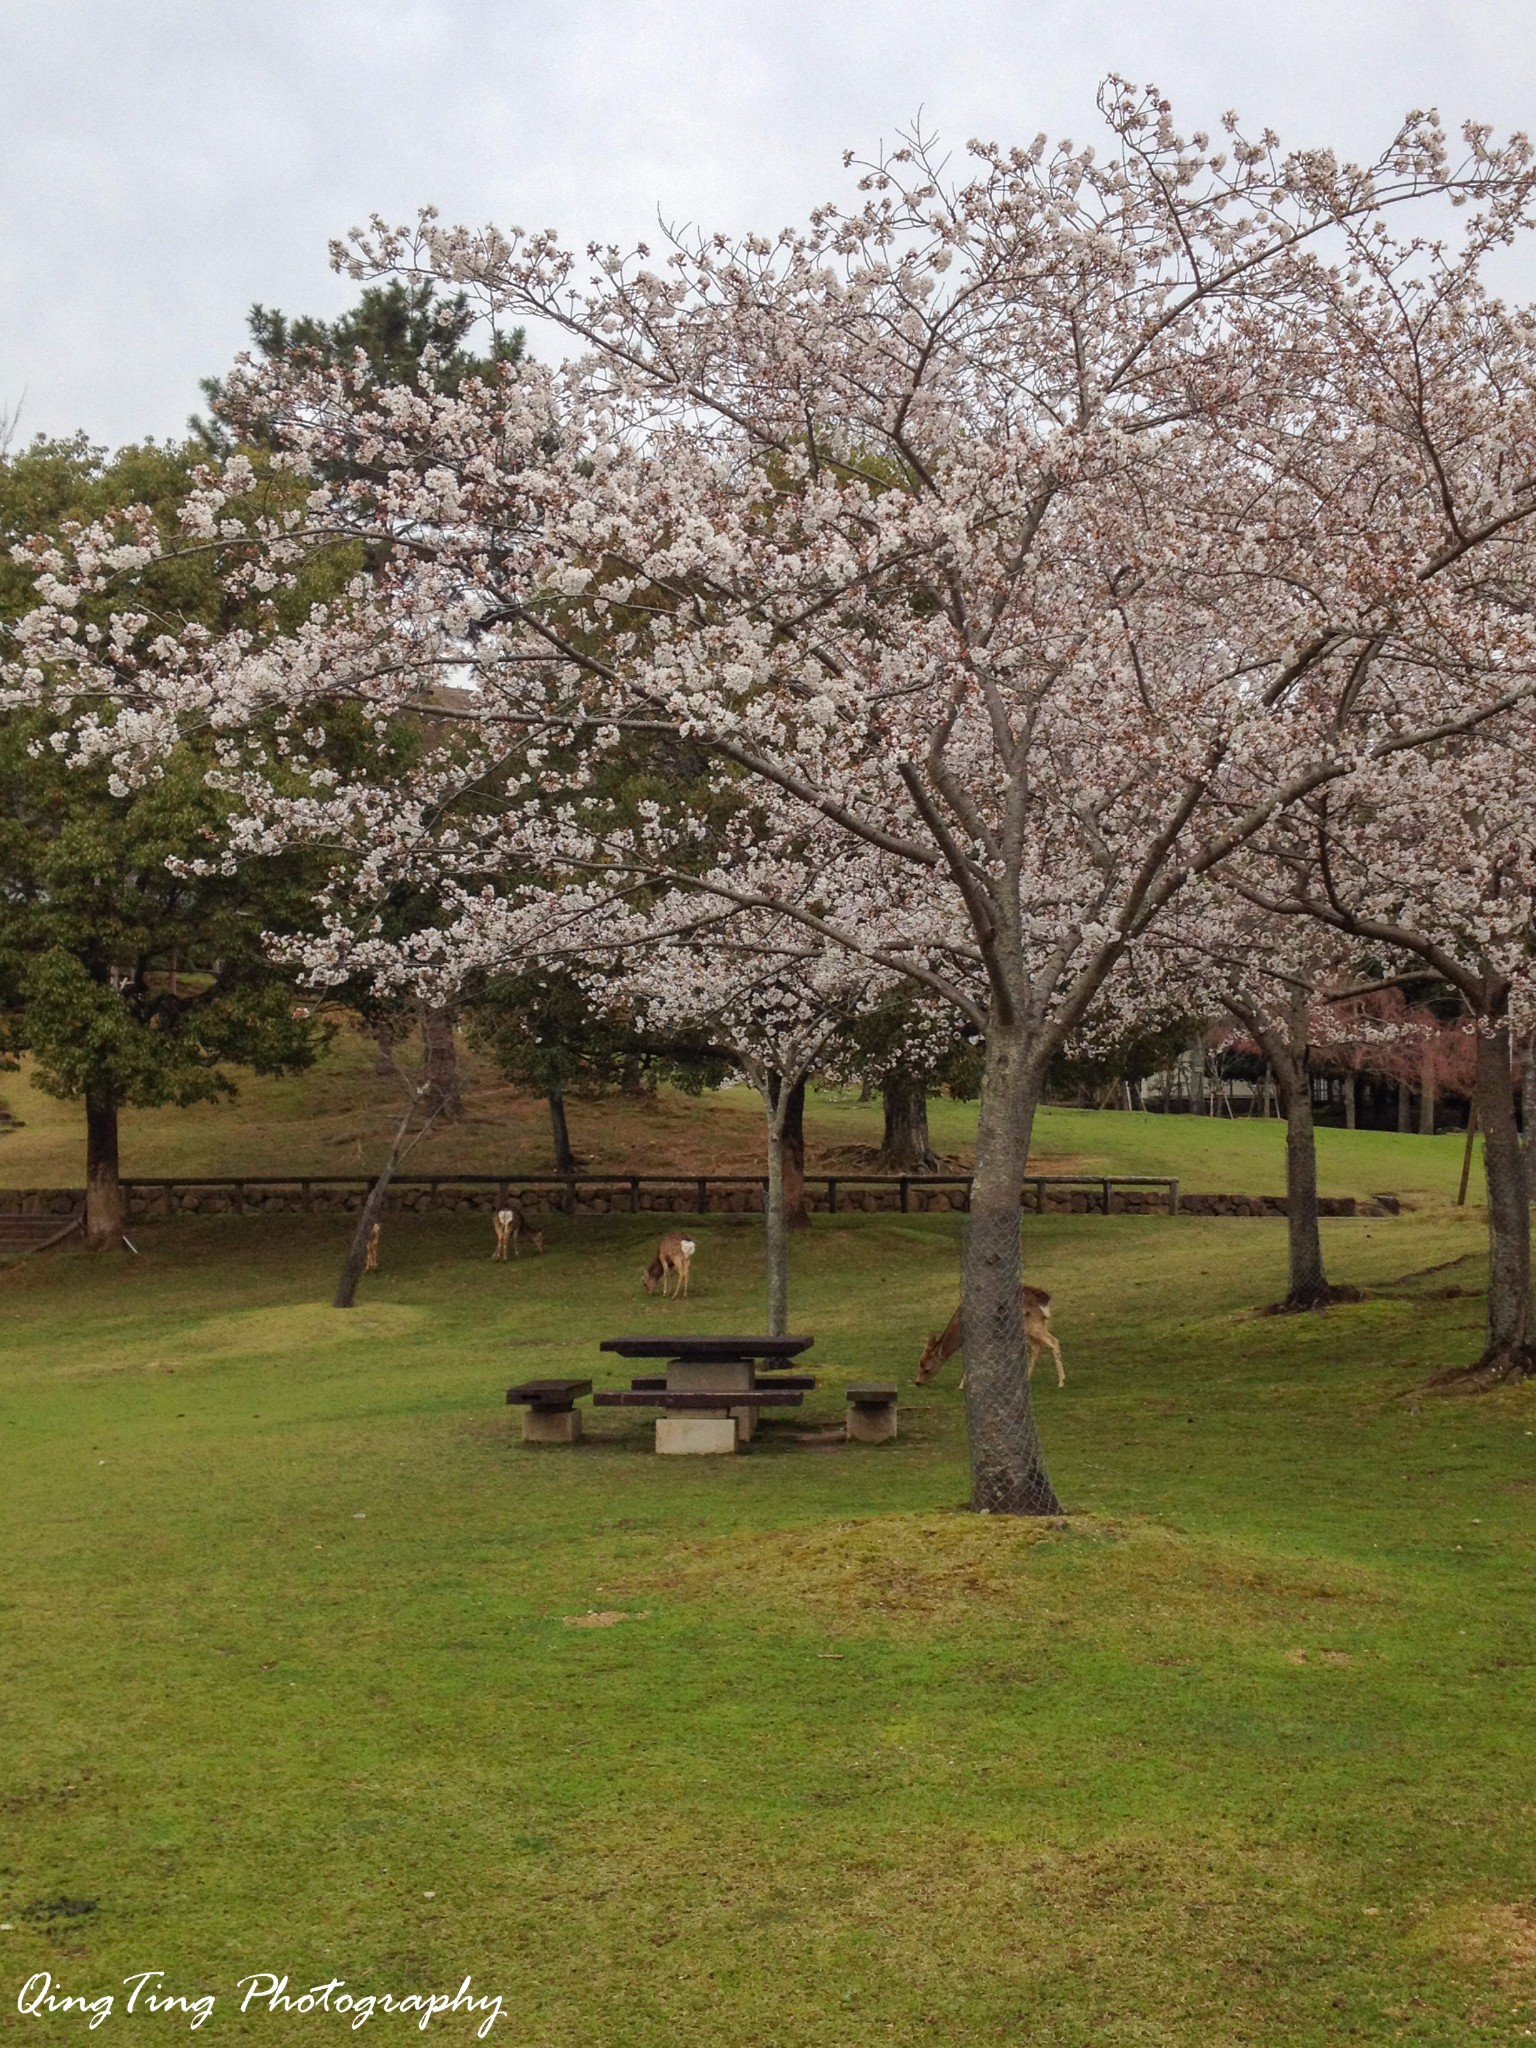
x: 575, y: 1194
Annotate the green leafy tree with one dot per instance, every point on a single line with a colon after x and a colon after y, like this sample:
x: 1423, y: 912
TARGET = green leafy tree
x: 396, y: 327
x: 546, y: 1037
x: 910, y: 1050
x: 130, y: 977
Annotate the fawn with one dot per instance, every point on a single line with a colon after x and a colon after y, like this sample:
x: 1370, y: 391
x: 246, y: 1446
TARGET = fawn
x: 674, y: 1257
x: 1035, y: 1303
x: 511, y: 1224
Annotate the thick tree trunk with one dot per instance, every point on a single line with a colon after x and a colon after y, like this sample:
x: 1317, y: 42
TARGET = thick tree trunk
x: 1288, y: 1066
x: 103, y: 1190
x: 1527, y: 1069
x: 441, y: 1050
x: 1351, y: 1112
x: 565, y: 1158
x: 905, y: 1147
x: 775, y: 1232
x: 1404, y: 1108
x: 1308, y: 1282
x: 1507, y: 1353
x: 1008, y: 1475
x: 797, y: 1215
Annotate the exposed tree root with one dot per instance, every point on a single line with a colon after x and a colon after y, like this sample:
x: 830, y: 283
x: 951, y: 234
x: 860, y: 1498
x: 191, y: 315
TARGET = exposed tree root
x: 1420, y: 1272
x: 1321, y: 1297
x: 1506, y: 1368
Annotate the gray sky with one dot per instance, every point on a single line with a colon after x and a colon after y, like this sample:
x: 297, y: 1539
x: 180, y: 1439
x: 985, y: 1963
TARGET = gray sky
x: 165, y: 162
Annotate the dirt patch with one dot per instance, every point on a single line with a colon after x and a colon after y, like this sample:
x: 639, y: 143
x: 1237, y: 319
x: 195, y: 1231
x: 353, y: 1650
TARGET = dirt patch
x: 1487, y: 1936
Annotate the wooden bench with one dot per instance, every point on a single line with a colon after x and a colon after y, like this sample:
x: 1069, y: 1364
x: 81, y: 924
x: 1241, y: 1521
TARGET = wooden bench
x: 872, y: 1413
x: 550, y: 1414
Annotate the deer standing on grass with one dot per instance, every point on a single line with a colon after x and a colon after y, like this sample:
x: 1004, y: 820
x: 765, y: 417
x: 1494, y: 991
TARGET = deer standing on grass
x: 512, y: 1224
x: 1035, y: 1303
x: 674, y: 1257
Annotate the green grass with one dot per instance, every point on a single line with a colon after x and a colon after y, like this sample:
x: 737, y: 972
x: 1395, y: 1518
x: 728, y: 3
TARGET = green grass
x: 1239, y: 1755
x: 338, y: 1120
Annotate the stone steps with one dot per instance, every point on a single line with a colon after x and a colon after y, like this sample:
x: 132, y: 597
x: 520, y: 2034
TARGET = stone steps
x: 22, y: 1234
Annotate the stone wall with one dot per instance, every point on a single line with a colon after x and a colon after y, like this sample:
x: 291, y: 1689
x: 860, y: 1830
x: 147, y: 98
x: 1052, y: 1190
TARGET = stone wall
x: 254, y: 1198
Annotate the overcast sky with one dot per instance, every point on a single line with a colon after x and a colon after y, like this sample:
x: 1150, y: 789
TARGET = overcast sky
x: 165, y: 162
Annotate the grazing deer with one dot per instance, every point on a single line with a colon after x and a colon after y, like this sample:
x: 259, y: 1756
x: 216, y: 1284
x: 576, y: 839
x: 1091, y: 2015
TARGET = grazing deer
x: 1035, y: 1303
x: 371, y: 1262
x: 511, y: 1224
x: 674, y: 1257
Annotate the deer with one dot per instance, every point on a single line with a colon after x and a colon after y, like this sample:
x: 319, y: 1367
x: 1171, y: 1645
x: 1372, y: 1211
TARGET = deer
x: 512, y: 1224
x: 1035, y: 1303
x: 674, y: 1257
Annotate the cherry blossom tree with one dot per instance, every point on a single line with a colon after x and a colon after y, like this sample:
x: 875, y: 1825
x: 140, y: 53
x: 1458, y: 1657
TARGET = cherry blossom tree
x: 762, y: 990
x: 1272, y: 976
x: 1045, y: 533
x: 1436, y: 861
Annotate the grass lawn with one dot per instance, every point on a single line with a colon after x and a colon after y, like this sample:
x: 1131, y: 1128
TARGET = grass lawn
x: 294, y: 1680
x: 338, y: 1119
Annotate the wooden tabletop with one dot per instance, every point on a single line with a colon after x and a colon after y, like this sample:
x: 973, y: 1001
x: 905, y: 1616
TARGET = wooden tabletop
x: 707, y: 1350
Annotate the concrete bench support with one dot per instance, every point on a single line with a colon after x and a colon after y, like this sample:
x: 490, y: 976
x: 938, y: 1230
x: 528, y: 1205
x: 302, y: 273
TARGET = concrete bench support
x: 871, y: 1414
x: 551, y: 1425
x: 683, y: 1436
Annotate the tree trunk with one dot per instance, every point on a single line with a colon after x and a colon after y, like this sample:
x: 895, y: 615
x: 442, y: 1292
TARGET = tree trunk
x: 1351, y: 1111
x: 565, y: 1158
x: 1308, y: 1286
x: 372, y: 1210
x: 1508, y: 1350
x: 103, y: 1190
x: 1196, y: 1057
x: 905, y: 1147
x: 384, y: 1057
x: 1008, y: 1475
x: 441, y: 1051
x: 423, y: 1109
x: 1404, y: 1108
x: 775, y: 1232
x: 1527, y: 1068
x: 797, y: 1215
x: 357, y: 1252
x: 1427, y: 1097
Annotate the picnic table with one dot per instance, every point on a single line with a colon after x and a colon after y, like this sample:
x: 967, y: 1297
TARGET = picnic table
x: 712, y: 1389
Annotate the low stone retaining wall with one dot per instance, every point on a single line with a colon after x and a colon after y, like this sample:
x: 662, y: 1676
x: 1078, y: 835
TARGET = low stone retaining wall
x: 624, y: 1194
x: 1276, y: 1205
